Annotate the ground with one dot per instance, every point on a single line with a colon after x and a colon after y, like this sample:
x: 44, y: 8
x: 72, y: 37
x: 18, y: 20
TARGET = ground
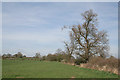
x: 46, y: 69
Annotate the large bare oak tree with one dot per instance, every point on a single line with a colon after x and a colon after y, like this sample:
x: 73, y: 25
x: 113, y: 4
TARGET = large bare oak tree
x: 86, y: 39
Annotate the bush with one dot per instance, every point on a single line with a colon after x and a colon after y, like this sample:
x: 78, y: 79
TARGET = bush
x: 51, y: 57
x: 43, y: 58
x: 112, y: 62
x: 105, y: 64
x: 79, y: 60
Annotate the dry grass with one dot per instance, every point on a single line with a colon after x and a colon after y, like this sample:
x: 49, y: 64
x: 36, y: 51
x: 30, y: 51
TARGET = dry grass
x: 98, y: 63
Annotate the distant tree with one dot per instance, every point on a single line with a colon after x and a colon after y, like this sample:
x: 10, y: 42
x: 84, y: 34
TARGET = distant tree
x: 37, y: 55
x: 0, y: 56
x: 9, y: 55
x: 19, y: 55
x: 15, y: 55
x: 61, y: 55
x: 24, y: 55
x: 51, y: 57
x: 4, y: 56
x: 43, y: 58
x: 88, y: 40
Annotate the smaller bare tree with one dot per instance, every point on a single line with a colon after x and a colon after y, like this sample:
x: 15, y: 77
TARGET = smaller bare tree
x: 70, y: 46
x: 37, y: 55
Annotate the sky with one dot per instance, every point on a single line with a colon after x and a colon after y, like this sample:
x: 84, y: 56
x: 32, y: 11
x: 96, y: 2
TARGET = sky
x: 60, y: 0
x: 31, y: 27
x: 0, y: 28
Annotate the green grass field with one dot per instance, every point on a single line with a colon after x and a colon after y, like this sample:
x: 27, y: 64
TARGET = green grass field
x: 43, y: 69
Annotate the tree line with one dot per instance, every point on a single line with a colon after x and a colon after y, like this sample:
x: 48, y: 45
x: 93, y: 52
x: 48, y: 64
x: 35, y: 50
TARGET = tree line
x: 59, y: 55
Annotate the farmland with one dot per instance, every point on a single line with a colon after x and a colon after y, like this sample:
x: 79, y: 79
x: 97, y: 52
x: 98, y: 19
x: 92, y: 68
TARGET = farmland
x: 48, y: 69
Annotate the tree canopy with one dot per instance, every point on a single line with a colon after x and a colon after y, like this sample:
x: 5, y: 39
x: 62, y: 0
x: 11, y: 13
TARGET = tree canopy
x: 86, y: 40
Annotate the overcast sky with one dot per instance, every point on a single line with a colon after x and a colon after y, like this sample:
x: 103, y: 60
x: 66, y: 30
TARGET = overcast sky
x: 36, y: 27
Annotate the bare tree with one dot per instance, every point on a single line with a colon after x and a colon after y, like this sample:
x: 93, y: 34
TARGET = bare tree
x: 87, y: 39
x: 37, y: 55
x: 19, y: 55
x: 70, y: 46
x: 7, y: 55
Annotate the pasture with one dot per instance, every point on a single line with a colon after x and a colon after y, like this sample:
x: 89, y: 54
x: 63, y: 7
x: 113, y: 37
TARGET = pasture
x: 47, y: 69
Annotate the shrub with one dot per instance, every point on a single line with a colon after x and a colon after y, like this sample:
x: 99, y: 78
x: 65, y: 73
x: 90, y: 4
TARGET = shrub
x: 111, y: 62
x: 51, y: 57
x: 107, y: 64
x: 79, y: 60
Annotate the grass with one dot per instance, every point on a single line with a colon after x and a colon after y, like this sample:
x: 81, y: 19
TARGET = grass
x: 45, y: 69
x: 0, y: 68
